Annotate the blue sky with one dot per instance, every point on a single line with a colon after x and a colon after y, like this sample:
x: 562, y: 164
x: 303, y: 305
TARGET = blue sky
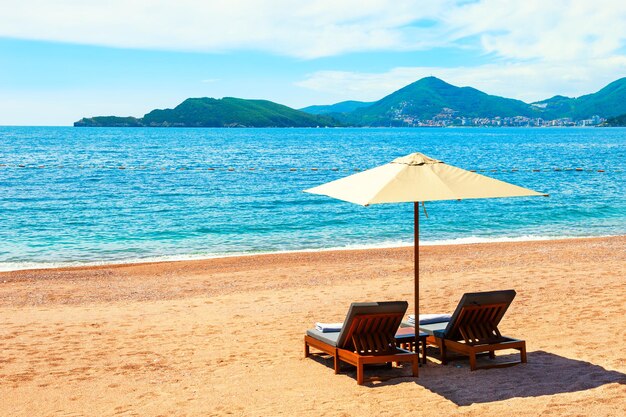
x: 61, y: 60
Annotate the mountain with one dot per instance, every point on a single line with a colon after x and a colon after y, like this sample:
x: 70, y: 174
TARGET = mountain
x: 431, y: 98
x: 343, y: 107
x: 608, y: 102
x: 210, y: 112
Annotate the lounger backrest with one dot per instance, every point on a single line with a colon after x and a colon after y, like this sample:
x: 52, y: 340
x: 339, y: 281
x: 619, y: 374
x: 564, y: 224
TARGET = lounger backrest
x: 390, y: 308
x: 500, y: 299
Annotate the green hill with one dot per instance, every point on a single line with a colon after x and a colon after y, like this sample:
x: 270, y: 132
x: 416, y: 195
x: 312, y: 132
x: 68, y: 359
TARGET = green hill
x: 429, y: 97
x: 210, y: 112
x: 342, y: 107
x: 608, y: 102
x: 108, y: 121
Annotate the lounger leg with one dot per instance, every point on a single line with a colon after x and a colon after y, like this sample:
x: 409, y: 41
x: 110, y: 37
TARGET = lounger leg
x: 442, y: 350
x: 415, y: 365
x: 492, y: 354
x: 337, y: 364
x: 307, y: 353
x: 423, y: 351
x: 472, y: 359
x: 522, y: 353
x: 359, y: 372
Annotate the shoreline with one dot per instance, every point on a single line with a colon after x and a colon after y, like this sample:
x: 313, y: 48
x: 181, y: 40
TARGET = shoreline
x: 267, y: 262
x: 191, y: 258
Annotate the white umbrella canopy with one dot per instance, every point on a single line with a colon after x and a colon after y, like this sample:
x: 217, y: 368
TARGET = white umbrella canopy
x: 414, y: 178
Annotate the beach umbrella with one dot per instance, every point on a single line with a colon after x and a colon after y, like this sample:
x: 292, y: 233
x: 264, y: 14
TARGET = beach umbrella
x: 417, y: 178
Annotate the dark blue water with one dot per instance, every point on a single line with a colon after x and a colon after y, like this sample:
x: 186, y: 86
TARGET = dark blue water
x: 71, y: 196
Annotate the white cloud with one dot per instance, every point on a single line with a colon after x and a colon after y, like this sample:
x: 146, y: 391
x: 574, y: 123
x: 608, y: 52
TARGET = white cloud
x: 524, y: 81
x: 529, y: 29
x: 555, y: 30
x: 305, y: 29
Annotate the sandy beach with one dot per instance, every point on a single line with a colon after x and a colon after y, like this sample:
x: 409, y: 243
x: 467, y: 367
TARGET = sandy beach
x: 224, y: 336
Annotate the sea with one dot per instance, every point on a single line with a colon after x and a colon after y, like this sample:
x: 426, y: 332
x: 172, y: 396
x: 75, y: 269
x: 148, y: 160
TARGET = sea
x: 85, y: 196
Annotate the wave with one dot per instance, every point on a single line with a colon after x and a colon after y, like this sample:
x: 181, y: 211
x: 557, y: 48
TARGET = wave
x: 19, y: 266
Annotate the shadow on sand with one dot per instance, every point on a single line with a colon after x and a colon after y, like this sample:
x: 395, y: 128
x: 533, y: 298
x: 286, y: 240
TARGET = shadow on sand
x: 544, y: 374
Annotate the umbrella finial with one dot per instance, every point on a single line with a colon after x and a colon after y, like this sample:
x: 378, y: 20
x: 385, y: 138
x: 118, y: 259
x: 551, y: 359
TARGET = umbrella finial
x: 416, y: 159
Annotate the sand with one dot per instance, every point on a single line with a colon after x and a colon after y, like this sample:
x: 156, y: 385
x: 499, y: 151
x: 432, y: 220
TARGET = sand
x: 224, y: 336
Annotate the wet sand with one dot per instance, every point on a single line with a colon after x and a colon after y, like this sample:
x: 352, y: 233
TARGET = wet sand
x: 224, y: 336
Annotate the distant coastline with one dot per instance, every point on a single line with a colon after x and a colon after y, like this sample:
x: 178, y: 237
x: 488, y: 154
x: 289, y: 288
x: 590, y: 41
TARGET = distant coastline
x: 603, y: 125
x: 429, y: 102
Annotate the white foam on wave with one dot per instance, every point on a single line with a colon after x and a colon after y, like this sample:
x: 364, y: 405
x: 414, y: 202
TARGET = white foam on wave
x: 481, y: 239
x: 18, y: 266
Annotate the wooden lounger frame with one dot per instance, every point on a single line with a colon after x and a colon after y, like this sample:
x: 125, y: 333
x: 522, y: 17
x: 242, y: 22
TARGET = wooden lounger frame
x: 477, y: 326
x: 370, y: 340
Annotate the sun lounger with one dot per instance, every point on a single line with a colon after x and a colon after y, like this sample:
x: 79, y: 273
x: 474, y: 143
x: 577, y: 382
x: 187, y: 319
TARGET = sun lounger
x: 366, y: 337
x: 473, y: 329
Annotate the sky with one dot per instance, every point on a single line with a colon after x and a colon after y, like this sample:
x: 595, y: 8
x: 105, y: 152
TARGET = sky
x: 61, y: 60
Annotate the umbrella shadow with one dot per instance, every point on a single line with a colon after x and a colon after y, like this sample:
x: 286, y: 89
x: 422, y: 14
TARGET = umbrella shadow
x: 544, y: 374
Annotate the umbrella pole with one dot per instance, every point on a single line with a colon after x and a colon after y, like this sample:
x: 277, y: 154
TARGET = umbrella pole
x: 416, y: 245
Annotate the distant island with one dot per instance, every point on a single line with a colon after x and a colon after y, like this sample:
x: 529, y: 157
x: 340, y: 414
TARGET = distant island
x: 427, y: 102
x: 210, y: 112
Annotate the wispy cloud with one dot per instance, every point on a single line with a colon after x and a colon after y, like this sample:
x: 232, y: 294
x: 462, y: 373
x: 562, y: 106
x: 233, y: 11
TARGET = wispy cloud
x: 306, y: 29
x: 555, y: 30
x: 530, y: 29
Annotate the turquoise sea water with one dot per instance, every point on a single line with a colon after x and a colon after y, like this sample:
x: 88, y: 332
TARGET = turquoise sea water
x: 77, y: 196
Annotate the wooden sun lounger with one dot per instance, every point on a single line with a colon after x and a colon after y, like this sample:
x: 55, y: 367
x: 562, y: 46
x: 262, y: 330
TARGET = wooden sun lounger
x: 473, y: 329
x: 367, y: 337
